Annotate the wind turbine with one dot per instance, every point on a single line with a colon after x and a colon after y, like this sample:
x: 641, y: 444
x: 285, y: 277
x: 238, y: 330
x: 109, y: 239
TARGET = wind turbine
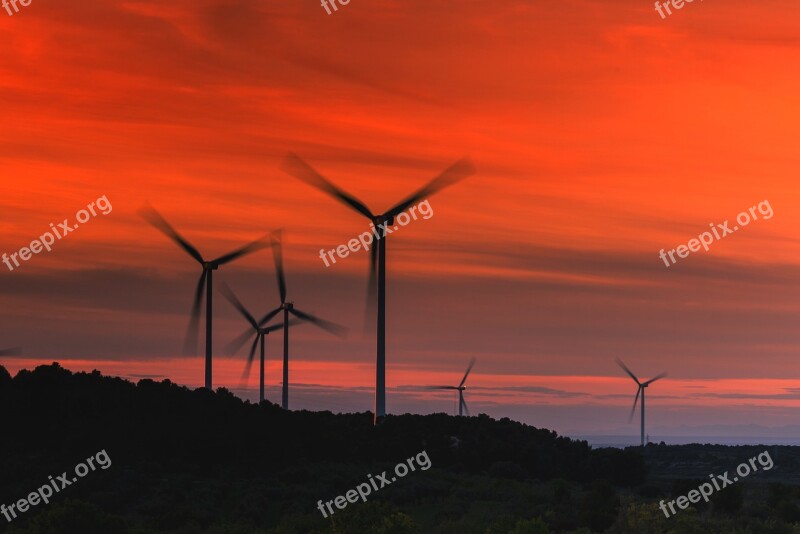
x: 298, y: 168
x: 461, y: 387
x: 261, y: 332
x: 641, y: 388
x: 288, y: 308
x: 154, y: 218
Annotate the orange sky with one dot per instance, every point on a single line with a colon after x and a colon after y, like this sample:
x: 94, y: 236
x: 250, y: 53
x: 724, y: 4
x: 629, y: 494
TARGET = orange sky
x: 601, y: 135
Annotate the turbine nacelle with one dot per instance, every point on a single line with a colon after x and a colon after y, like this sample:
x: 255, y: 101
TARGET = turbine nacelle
x: 381, y: 219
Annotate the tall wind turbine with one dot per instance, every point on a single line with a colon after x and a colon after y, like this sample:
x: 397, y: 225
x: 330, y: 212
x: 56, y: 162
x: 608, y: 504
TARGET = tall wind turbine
x: 298, y: 168
x: 640, y: 389
x: 288, y: 308
x: 462, y: 406
x: 260, y: 333
x: 204, y: 284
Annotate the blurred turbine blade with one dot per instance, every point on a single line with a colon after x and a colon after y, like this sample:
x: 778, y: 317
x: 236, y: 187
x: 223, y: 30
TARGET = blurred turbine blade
x: 297, y: 167
x: 264, y: 320
x: 190, y: 344
x: 333, y: 328
x: 228, y: 294
x: 155, y: 218
x: 278, y: 326
x: 234, y: 346
x: 466, y: 408
x: 469, y: 368
x: 277, y: 254
x: 635, y: 400
x: 246, y: 373
x: 625, y: 368
x: 258, y: 244
x: 454, y: 173
x: 657, y: 377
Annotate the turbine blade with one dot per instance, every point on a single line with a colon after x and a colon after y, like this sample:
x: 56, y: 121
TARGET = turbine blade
x: 264, y: 320
x: 228, y: 294
x: 246, y: 373
x: 278, y: 326
x: 657, y: 377
x: 333, y: 328
x: 190, y: 343
x: 234, y: 346
x: 625, y: 368
x: 440, y: 387
x: 466, y: 408
x: 635, y: 400
x: 155, y: 218
x: 258, y: 244
x: 301, y: 170
x: 277, y: 254
x: 454, y: 173
x: 469, y: 368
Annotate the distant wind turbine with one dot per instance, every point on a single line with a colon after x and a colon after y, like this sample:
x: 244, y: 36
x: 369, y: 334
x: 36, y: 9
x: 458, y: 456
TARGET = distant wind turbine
x: 298, y: 168
x: 204, y: 284
x: 462, y: 406
x: 261, y: 332
x: 640, y: 389
x: 288, y: 308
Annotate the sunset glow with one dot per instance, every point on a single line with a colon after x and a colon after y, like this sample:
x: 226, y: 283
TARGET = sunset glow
x: 622, y: 135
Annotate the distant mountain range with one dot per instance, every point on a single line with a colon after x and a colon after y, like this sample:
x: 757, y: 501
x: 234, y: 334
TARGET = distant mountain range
x: 749, y: 434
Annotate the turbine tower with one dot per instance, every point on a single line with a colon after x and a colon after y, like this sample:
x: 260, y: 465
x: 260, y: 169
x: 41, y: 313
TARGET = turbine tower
x: 640, y: 389
x: 261, y: 332
x: 204, y: 284
x: 462, y: 406
x: 301, y: 170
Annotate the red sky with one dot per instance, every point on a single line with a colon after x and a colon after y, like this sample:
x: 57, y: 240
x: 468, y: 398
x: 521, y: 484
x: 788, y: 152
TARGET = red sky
x: 601, y: 134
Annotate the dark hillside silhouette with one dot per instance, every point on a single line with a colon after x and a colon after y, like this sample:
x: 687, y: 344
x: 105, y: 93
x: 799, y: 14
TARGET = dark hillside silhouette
x: 203, y: 461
